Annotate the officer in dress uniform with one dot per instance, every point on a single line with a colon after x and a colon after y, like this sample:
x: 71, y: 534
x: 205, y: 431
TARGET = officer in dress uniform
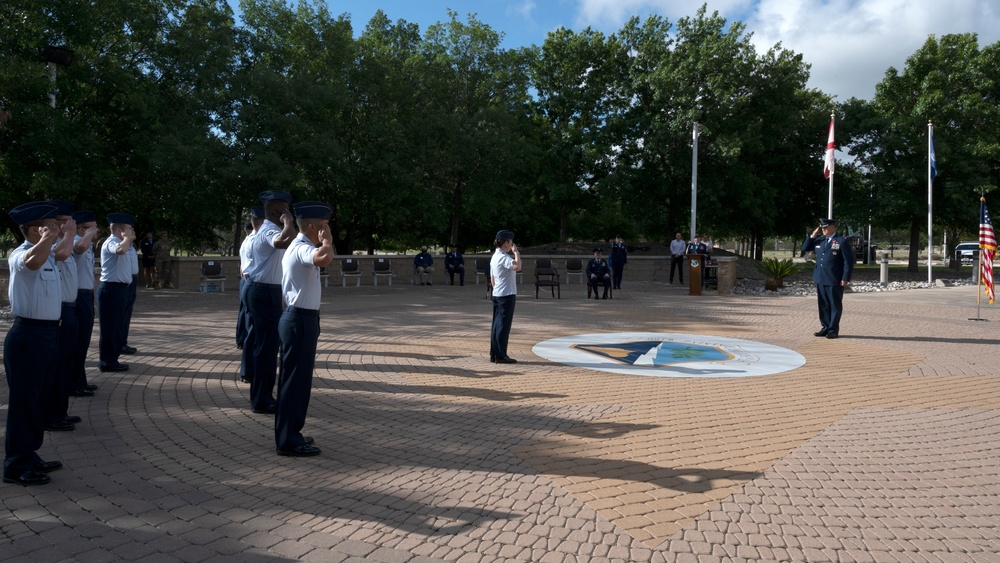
x: 454, y: 262
x: 113, y: 293
x: 618, y: 259
x: 83, y: 249
x: 698, y: 247
x: 834, y: 266
x: 56, y: 395
x: 32, y: 342
x: 264, y: 296
x: 598, y: 272
x: 311, y: 250
x: 244, y: 325
x: 133, y: 291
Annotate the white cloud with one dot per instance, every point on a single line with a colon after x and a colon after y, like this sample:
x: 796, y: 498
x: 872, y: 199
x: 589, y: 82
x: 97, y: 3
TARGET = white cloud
x: 849, y: 43
x: 524, y: 9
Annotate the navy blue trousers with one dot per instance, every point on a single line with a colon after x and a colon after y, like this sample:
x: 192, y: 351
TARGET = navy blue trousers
x: 241, y: 316
x: 29, y: 359
x: 265, y: 312
x: 299, y: 332
x: 617, y: 269
x: 244, y: 332
x: 831, y: 306
x: 56, y: 393
x: 129, y: 305
x: 85, y: 329
x: 503, y: 318
x: 112, y: 301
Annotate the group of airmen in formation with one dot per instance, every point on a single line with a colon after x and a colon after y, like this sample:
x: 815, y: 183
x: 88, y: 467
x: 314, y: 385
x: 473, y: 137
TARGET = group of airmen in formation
x: 52, y: 296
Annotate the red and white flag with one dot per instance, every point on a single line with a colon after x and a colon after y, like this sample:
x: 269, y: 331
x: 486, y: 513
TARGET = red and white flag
x: 829, y: 161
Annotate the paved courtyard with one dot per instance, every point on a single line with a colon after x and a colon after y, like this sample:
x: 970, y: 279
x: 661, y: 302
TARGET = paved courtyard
x: 884, y: 446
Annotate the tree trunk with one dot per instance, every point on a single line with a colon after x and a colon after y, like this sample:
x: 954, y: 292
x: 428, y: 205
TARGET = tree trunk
x: 914, y: 261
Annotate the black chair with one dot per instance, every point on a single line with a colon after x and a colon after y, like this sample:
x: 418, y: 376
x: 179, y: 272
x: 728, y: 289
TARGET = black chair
x: 547, y: 277
x: 574, y: 267
x: 212, y: 274
x: 350, y: 268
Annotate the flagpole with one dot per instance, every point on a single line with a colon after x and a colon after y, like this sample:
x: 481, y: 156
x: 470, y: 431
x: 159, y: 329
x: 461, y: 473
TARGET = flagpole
x: 830, y: 203
x: 694, y: 182
x: 930, y: 203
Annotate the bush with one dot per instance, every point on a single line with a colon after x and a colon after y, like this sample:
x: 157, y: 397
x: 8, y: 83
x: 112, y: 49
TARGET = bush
x: 777, y: 270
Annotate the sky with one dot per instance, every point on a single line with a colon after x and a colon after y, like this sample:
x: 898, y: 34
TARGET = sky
x: 848, y: 43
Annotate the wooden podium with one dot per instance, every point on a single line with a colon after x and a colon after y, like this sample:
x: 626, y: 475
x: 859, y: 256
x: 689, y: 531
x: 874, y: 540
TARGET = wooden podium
x: 697, y: 262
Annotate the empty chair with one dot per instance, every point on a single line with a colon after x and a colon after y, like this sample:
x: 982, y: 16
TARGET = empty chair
x: 212, y: 274
x: 381, y: 267
x: 574, y: 267
x: 547, y: 277
x: 543, y: 263
x: 483, y: 269
x: 350, y: 268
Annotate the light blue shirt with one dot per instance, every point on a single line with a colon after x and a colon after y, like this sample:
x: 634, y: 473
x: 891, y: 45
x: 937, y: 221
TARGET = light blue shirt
x: 300, y: 277
x: 504, y: 276
x: 133, y: 261
x: 34, y: 294
x: 267, y: 258
x: 68, y: 275
x: 114, y: 267
x: 85, y: 266
x: 246, y: 255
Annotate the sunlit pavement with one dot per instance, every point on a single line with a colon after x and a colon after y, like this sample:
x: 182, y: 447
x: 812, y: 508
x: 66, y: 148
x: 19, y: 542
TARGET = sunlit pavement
x: 884, y: 446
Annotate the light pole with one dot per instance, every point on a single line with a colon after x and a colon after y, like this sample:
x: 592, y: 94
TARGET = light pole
x: 56, y: 57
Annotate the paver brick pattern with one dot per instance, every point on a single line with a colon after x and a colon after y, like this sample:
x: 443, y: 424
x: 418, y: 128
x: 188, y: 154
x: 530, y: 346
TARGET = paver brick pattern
x: 882, y: 447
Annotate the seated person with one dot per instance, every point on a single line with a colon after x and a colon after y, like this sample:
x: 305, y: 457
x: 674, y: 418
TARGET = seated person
x: 423, y: 266
x: 599, y: 272
x: 455, y: 263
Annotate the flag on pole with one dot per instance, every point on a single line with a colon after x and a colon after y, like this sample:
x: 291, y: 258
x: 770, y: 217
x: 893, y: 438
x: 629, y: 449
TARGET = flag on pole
x: 988, y: 249
x: 828, y: 162
x: 933, y: 158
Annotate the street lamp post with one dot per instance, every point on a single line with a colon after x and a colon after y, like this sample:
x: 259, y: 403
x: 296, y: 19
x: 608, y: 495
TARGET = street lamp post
x: 56, y: 57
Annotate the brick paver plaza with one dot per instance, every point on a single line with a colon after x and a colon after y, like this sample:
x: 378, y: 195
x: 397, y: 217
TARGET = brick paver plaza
x: 884, y: 446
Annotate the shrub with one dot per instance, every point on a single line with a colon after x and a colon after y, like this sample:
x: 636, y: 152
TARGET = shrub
x: 777, y: 270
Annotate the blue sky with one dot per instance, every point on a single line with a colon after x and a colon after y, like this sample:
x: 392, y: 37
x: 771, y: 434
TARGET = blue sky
x: 849, y: 43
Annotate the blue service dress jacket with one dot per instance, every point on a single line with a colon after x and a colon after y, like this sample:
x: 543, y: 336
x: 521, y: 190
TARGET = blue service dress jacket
x: 834, y: 259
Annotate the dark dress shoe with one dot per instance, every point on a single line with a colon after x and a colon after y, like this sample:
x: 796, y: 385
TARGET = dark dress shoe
x: 81, y: 393
x: 73, y: 419
x: 820, y: 333
x: 493, y: 360
x: 119, y: 367
x: 47, y: 466
x: 305, y: 450
x: 506, y: 361
x: 90, y: 387
x: 832, y: 335
x: 28, y: 478
x: 129, y: 350
x: 61, y: 426
x: 269, y: 409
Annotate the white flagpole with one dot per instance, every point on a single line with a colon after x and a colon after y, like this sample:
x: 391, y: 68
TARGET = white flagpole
x: 694, y: 182
x: 930, y: 205
x: 829, y: 210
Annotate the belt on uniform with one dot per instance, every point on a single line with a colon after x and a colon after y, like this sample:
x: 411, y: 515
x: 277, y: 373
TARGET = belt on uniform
x: 300, y: 311
x: 34, y: 322
x: 115, y: 283
x: 260, y: 284
x: 69, y: 303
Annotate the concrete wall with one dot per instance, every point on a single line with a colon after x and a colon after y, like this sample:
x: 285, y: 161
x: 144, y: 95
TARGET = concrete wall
x: 186, y: 271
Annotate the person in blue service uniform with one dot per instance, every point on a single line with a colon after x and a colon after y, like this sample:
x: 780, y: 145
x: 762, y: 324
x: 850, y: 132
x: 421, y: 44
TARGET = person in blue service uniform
x: 133, y: 292
x: 677, y: 249
x: 698, y: 247
x: 264, y: 297
x: 454, y: 262
x: 618, y: 258
x: 598, y: 272
x: 244, y: 325
x: 298, y: 328
x: 834, y: 267
x: 31, y: 347
x: 504, y: 266
x: 423, y: 266
x: 83, y: 250
x: 148, y: 259
x: 113, y: 293
x: 56, y: 394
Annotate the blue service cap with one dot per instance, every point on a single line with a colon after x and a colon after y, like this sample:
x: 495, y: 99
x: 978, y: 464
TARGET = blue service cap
x: 121, y: 219
x: 64, y: 207
x: 257, y: 212
x: 504, y: 234
x: 85, y: 216
x: 312, y: 210
x: 275, y: 195
x: 33, y: 211
x: 826, y: 222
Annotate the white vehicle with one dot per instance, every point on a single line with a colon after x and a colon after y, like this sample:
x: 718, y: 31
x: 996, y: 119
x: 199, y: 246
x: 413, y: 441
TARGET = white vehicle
x: 967, y: 252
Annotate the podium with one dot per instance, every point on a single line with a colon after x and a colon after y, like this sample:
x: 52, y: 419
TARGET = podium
x: 697, y: 267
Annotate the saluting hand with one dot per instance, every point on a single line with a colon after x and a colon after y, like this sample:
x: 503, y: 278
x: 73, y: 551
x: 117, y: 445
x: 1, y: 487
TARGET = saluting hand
x: 815, y: 232
x: 287, y: 218
x: 69, y: 227
x: 325, y: 236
